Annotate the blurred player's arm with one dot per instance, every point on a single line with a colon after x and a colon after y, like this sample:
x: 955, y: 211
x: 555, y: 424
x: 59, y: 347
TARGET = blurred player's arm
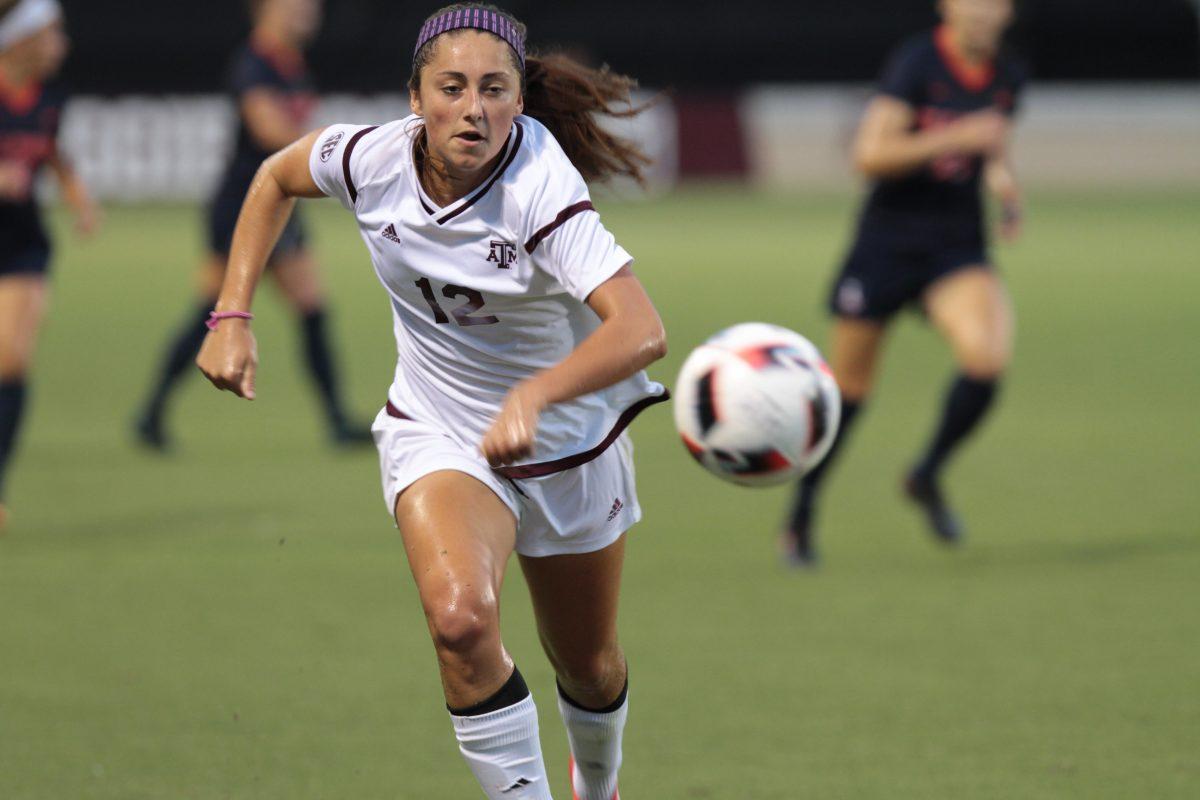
x: 75, y: 194
x: 886, y: 145
x: 1001, y: 181
x: 268, y: 120
x: 229, y: 357
x: 630, y: 338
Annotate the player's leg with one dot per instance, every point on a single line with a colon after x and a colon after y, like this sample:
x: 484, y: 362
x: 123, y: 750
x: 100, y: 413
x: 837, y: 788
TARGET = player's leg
x: 22, y: 306
x: 971, y: 309
x: 458, y: 536
x: 179, y: 356
x: 575, y: 601
x: 298, y: 278
x: 854, y: 348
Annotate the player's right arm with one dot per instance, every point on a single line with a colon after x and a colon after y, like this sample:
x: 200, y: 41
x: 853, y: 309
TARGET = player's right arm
x: 887, y: 146
x: 229, y: 357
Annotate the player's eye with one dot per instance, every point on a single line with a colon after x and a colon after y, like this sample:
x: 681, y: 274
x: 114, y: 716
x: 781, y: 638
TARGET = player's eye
x: 451, y: 89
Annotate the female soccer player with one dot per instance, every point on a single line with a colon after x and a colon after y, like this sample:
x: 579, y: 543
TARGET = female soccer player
x: 32, y: 48
x: 521, y: 334
x: 274, y: 97
x: 941, y: 121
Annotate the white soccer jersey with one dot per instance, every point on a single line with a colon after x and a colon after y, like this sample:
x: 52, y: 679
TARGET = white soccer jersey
x: 489, y: 290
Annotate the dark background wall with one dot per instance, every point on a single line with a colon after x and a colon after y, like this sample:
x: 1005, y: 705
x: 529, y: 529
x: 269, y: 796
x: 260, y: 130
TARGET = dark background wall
x: 170, y: 45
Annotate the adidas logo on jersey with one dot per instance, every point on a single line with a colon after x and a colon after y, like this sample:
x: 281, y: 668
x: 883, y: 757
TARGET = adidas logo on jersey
x: 616, y: 509
x: 390, y: 234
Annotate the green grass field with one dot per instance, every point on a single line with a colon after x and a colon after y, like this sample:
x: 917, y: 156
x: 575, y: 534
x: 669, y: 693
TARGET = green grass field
x: 237, y: 621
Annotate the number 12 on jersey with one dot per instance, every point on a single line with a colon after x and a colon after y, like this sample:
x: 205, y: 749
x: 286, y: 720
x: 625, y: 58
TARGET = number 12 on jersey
x: 462, y: 313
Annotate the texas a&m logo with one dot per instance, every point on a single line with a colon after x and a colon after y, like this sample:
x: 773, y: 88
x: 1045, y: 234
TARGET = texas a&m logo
x: 503, y: 254
x: 329, y: 145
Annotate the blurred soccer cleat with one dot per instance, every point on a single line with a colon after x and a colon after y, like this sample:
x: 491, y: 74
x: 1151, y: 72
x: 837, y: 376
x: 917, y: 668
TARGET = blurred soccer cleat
x: 943, y: 523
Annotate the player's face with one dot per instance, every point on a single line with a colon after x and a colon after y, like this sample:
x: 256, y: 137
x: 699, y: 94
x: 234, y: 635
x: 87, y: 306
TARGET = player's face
x: 303, y: 18
x: 978, y: 23
x: 45, y: 50
x: 470, y: 92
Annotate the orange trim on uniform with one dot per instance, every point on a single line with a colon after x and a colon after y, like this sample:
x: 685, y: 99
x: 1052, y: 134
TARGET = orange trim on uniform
x: 973, y: 77
x: 19, y: 99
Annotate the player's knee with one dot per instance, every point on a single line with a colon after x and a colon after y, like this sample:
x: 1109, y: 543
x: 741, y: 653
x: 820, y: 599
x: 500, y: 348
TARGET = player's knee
x: 587, y: 675
x: 982, y: 355
x: 459, y: 626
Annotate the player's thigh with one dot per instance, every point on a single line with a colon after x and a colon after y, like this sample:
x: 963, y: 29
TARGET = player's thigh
x: 971, y: 309
x: 458, y: 536
x: 854, y: 349
x: 298, y: 277
x: 575, y: 598
x: 22, y: 307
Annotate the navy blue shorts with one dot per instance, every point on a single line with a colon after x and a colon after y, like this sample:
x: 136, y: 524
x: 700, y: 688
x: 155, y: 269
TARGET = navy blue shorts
x: 33, y: 259
x: 884, y: 272
x: 222, y: 219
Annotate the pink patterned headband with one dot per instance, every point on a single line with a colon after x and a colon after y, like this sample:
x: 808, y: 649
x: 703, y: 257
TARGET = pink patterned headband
x: 478, y: 18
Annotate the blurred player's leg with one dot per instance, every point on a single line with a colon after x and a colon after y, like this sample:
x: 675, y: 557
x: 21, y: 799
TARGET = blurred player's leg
x: 971, y: 310
x: 854, y: 353
x: 458, y: 536
x: 22, y: 305
x: 179, y: 358
x: 575, y: 601
x: 297, y: 276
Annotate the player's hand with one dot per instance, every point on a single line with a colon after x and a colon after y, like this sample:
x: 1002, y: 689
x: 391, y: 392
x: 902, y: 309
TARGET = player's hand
x: 1012, y: 218
x: 229, y: 357
x: 512, y: 434
x: 15, y: 181
x: 981, y: 132
x: 88, y: 219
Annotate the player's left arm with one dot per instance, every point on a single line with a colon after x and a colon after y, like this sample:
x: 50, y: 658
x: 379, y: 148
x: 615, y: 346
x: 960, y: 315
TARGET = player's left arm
x: 1001, y: 180
x: 630, y: 337
x: 75, y: 194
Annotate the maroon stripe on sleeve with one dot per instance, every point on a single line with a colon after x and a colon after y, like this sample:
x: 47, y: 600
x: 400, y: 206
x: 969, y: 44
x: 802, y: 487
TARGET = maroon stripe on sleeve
x: 350, y: 187
x: 544, y: 468
x: 563, y: 216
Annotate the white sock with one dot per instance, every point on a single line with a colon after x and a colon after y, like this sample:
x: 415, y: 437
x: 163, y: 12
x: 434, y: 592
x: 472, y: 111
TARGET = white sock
x: 503, y: 750
x: 596, y: 747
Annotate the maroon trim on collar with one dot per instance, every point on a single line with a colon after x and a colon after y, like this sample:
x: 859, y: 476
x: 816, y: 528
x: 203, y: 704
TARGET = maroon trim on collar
x: 544, y: 468
x: 563, y: 216
x: 350, y: 187
x: 481, y: 191
x: 397, y: 413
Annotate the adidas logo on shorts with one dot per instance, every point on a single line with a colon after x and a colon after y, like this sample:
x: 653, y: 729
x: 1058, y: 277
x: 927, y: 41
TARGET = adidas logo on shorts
x: 616, y: 509
x: 390, y: 234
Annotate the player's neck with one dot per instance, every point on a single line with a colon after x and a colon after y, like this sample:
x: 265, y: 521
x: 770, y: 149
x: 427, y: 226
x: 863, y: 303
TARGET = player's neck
x: 973, y: 55
x: 15, y: 77
x: 274, y: 38
x: 445, y: 186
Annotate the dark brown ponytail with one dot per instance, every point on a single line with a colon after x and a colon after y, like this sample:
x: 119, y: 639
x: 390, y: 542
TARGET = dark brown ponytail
x: 569, y: 98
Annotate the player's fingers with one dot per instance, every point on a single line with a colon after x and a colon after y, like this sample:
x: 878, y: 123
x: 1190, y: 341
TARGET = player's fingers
x: 246, y: 386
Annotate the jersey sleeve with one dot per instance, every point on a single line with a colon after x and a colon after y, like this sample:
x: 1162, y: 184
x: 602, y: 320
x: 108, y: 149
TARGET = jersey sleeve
x: 335, y: 165
x: 904, y: 75
x: 566, y: 238
x: 1016, y: 76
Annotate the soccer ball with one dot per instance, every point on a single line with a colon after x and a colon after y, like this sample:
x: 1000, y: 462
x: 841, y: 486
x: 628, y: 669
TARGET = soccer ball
x: 756, y: 404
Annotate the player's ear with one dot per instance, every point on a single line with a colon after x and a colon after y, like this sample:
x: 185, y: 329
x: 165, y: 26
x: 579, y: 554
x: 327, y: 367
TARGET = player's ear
x: 521, y: 103
x: 414, y: 102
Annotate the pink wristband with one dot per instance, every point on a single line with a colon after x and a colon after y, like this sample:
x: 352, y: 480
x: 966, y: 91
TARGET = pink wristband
x: 216, y: 316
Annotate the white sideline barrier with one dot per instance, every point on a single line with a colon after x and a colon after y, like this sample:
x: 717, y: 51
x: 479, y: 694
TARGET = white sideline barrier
x: 143, y: 148
x: 1067, y: 136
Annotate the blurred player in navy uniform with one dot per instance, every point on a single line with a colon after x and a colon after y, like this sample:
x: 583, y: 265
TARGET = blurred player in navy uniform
x: 275, y: 97
x: 938, y: 128
x: 32, y: 48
